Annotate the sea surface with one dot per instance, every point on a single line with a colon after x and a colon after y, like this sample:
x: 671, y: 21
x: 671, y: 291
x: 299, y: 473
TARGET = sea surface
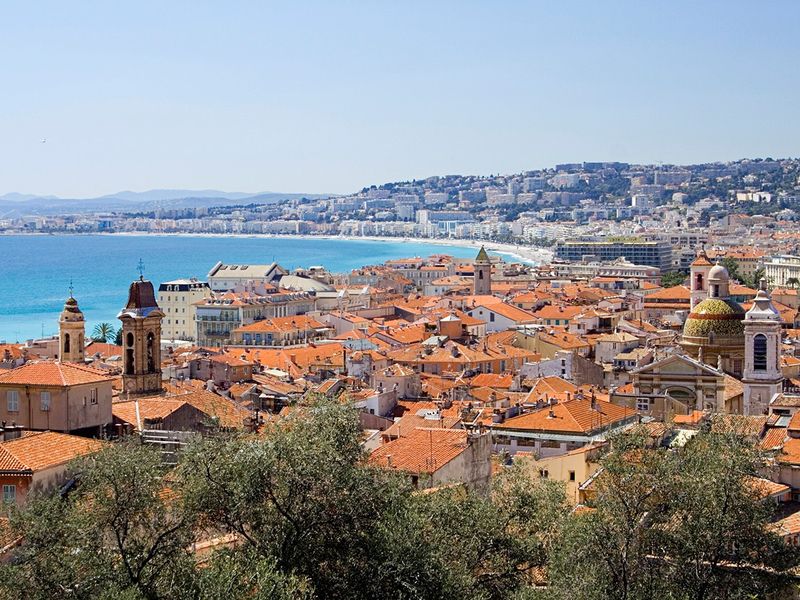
x: 36, y: 270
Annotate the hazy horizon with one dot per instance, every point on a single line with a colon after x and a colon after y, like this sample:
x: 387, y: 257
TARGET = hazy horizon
x: 329, y: 98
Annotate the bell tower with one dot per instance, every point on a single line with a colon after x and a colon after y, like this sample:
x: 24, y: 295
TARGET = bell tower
x: 482, y: 284
x: 141, y: 340
x: 71, y: 331
x: 762, y: 377
x: 698, y: 284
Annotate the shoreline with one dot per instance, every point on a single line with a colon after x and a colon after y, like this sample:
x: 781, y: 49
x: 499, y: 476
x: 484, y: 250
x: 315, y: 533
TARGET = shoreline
x: 533, y: 255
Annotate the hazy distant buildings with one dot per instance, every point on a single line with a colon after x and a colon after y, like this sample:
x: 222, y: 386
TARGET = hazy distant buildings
x: 675, y: 177
x: 654, y: 254
x: 434, y: 198
x: 443, y: 222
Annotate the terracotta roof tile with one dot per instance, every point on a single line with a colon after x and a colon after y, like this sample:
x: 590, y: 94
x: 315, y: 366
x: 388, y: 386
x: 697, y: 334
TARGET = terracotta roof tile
x: 573, y: 416
x: 40, y: 450
x: 52, y: 373
x: 423, y: 451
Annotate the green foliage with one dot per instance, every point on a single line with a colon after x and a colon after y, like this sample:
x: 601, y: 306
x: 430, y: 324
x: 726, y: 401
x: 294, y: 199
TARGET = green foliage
x: 733, y: 267
x: 671, y: 524
x: 313, y: 519
x: 103, y: 332
x: 112, y: 537
x: 304, y: 501
x: 672, y: 278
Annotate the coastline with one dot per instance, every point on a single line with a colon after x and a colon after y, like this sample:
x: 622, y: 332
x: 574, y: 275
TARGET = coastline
x: 533, y: 255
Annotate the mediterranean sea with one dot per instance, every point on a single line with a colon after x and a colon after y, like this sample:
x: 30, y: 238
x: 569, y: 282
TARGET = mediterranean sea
x: 36, y: 270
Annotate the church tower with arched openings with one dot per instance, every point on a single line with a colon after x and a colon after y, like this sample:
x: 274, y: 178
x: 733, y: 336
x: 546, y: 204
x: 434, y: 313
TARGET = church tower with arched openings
x: 482, y: 283
x: 762, y: 377
x: 141, y: 340
x: 71, y: 331
x: 698, y: 283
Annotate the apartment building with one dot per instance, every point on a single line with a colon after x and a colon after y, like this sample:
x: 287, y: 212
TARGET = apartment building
x: 654, y: 254
x: 177, y: 299
x: 220, y: 315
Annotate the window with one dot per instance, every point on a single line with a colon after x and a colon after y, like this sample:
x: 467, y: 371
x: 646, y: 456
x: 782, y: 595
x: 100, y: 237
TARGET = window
x: 129, y: 356
x: 12, y: 400
x: 572, y: 475
x: 66, y: 343
x: 151, y: 353
x: 491, y: 317
x: 93, y: 396
x: 9, y: 494
x: 44, y: 399
x: 643, y: 404
x: 760, y: 352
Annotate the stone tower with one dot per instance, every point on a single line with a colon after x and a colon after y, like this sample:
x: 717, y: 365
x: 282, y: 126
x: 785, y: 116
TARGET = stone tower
x: 698, y: 284
x: 71, y: 331
x: 482, y: 284
x: 141, y: 340
x: 761, y: 376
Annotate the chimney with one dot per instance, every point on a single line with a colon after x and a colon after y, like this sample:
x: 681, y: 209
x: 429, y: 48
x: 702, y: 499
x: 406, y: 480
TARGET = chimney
x: 12, y: 432
x: 389, y: 460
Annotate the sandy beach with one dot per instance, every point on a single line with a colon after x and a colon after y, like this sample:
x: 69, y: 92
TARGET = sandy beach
x: 524, y: 254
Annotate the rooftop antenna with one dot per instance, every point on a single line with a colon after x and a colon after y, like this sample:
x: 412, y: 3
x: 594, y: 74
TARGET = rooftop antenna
x: 140, y: 268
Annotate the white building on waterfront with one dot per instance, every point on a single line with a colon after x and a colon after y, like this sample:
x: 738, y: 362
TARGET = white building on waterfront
x: 177, y: 300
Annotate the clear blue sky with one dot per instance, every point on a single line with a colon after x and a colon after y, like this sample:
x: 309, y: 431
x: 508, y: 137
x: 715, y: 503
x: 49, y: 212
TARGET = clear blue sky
x: 332, y: 96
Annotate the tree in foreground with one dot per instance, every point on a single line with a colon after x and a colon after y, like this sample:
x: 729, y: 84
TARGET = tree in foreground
x: 116, y: 535
x: 311, y: 517
x: 669, y: 524
x: 305, y: 501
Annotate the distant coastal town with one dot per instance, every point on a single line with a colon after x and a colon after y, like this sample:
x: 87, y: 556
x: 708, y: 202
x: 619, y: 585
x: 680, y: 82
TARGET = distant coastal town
x: 745, y: 201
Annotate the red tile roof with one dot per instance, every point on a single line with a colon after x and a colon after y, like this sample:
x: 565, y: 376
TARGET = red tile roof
x: 573, y: 416
x: 423, y: 451
x: 52, y: 373
x: 40, y: 450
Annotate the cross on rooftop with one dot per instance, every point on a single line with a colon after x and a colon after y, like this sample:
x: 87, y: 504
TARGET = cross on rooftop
x: 140, y: 268
x: 71, y: 289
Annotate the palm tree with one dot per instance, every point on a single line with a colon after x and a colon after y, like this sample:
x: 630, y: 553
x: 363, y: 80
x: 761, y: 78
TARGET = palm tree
x: 793, y: 282
x: 103, y: 332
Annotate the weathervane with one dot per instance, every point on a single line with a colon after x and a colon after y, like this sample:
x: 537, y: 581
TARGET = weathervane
x: 140, y: 268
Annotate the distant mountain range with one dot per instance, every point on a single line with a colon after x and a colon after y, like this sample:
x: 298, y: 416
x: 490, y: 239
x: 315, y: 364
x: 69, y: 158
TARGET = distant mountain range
x: 16, y: 205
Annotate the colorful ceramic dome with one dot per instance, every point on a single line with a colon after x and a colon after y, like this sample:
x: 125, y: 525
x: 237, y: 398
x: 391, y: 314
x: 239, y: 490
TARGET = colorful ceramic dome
x: 718, y: 316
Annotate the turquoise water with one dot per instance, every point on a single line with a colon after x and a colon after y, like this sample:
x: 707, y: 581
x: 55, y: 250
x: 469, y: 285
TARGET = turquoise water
x: 35, y: 271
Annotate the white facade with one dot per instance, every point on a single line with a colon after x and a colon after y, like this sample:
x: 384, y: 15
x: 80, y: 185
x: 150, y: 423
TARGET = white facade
x: 762, y: 377
x: 223, y: 278
x: 778, y: 270
x: 177, y: 300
